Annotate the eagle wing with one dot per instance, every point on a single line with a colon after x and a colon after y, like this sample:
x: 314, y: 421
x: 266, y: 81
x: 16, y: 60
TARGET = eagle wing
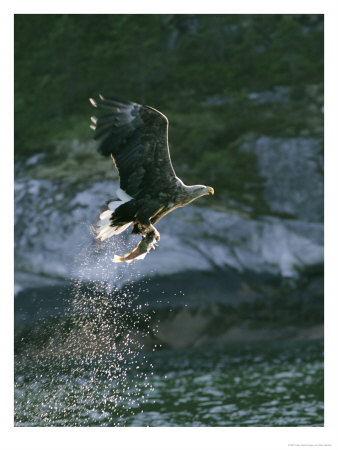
x: 136, y: 137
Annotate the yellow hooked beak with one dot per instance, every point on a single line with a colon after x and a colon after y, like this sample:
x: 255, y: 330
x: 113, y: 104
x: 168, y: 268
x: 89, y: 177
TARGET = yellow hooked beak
x: 211, y: 191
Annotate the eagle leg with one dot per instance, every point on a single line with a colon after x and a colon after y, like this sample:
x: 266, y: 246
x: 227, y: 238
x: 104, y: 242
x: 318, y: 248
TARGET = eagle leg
x: 148, y: 242
x: 145, y: 230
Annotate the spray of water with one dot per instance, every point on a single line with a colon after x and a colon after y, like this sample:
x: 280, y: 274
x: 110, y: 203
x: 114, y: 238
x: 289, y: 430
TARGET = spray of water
x: 91, y: 368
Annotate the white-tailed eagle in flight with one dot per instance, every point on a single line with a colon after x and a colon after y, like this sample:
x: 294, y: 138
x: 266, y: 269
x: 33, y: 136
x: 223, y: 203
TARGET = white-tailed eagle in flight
x: 136, y: 138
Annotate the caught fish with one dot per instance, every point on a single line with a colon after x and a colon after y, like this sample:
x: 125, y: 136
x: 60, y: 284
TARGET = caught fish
x: 146, y: 244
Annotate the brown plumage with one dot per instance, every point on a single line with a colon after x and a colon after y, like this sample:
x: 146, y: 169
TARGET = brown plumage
x: 136, y: 137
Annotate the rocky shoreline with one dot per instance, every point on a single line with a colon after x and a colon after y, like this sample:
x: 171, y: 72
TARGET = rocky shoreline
x: 219, y: 274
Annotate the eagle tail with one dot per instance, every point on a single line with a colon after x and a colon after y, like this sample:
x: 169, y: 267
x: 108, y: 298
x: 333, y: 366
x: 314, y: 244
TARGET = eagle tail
x: 104, y: 226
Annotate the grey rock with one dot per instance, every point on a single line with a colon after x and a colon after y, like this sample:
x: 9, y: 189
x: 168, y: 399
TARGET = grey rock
x: 280, y: 94
x: 293, y: 173
x: 55, y: 239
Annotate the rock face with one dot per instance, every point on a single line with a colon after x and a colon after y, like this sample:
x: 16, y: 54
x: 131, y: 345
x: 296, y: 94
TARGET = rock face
x: 293, y: 170
x: 49, y: 237
x: 249, y: 260
x: 52, y: 223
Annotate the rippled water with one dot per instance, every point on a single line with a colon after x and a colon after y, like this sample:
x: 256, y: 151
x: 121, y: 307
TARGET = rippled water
x: 270, y: 384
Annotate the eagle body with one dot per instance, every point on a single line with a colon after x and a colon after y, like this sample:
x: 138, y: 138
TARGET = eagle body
x: 136, y: 138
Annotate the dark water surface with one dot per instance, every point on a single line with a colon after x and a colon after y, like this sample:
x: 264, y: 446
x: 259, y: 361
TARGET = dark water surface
x: 266, y: 384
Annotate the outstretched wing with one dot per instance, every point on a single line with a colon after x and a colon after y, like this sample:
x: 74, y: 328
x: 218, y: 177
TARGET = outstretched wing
x: 136, y: 137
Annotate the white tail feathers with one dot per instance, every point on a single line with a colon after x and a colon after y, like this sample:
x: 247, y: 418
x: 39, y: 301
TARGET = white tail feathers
x: 104, y: 229
x: 104, y: 218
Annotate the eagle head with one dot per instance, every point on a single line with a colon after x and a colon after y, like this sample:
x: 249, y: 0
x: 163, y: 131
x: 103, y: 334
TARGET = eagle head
x: 198, y: 190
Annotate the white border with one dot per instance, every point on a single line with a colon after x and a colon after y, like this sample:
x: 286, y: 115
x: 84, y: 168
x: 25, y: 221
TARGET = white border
x: 243, y: 438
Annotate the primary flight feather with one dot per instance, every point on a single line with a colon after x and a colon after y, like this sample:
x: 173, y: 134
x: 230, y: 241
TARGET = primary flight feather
x: 136, y: 137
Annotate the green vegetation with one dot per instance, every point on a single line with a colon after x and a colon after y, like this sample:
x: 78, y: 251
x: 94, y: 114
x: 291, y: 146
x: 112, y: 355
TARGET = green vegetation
x: 198, y: 69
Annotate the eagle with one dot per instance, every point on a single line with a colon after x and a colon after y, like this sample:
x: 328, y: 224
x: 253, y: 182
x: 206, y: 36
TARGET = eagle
x: 136, y: 138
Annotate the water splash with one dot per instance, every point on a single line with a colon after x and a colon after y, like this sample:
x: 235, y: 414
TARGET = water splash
x: 98, y: 344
